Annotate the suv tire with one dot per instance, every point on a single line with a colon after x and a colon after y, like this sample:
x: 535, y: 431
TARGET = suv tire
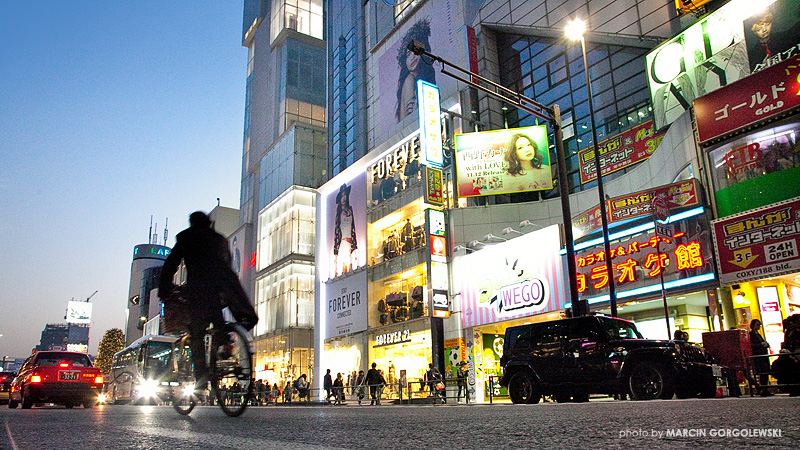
x: 522, y: 389
x: 649, y: 381
x: 26, y: 402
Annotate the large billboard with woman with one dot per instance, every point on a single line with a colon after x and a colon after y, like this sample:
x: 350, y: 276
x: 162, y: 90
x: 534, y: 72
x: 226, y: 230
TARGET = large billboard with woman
x: 346, y: 233
x: 503, y: 161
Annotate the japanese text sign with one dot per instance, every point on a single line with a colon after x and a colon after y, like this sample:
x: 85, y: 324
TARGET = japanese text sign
x: 772, y: 91
x: 677, y: 195
x: 430, y: 123
x: 758, y: 243
x: 434, y: 194
x: 621, y: 151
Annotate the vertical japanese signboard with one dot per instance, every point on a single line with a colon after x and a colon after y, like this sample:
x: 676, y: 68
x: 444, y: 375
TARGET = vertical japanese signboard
x: 430, y: 123
x: 437, y: 240
x: 759, y: 243
x: 434, y: 193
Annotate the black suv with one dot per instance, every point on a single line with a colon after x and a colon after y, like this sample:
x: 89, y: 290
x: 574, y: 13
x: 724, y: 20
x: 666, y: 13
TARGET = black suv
x: 572, y: 358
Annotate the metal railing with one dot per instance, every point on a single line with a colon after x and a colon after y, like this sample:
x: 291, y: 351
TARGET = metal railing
x: 786, y: 374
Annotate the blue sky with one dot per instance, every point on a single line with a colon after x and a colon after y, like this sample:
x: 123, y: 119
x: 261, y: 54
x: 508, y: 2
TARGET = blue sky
x: 110, y: 112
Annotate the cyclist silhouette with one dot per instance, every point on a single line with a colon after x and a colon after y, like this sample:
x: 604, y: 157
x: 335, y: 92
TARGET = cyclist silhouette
x: 211, y: 284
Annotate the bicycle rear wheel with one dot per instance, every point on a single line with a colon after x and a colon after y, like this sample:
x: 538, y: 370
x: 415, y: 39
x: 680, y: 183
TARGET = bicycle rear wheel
x: 234, y: 370
x: 182, y: 386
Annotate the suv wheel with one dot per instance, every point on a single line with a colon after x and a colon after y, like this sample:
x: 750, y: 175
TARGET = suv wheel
x: 649, y: 381
x: 522, y: 389
x: 26, y: 402
x: 12, y: 404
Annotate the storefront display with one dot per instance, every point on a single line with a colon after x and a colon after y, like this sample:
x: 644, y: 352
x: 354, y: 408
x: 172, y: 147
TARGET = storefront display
x: 403, y: 347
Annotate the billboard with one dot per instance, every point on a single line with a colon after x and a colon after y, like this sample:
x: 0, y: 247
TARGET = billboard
x: 685, y: 258
x: 345, y: 305
x: 346, y: 226
x: 398, y: 70
x: 678, y: 195
x: 706, y: 56
x: 748, y: 101
x: 620, y: 151
x: 79, y: 312
x: 759, y: 243
x: 772, y: 34
x: 503, y: 161
x: 507, y: 280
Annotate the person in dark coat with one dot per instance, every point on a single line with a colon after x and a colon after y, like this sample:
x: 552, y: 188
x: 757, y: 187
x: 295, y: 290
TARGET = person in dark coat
x: 338, y: 389
x: 209, y: 281
x: 327, y: 384
x: 759, y: 346
x: 375, y: 381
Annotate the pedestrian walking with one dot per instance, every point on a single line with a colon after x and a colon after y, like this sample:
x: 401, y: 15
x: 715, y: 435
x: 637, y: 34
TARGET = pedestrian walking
x: 360, y: 386
x: 338, y: 389
x: 758, y: 347
x: 461, y: 378
x: 375, y: 380
x: 327, y: 384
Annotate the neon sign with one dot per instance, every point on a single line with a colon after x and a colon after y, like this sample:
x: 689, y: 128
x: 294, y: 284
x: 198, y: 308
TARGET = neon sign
x: 430, y: 123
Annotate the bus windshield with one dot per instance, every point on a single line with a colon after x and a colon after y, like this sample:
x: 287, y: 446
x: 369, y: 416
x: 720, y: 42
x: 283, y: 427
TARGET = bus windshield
x: 157, y: 362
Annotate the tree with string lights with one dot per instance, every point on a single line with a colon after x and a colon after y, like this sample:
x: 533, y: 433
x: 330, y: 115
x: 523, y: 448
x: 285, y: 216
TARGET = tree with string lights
x: 112, y: 342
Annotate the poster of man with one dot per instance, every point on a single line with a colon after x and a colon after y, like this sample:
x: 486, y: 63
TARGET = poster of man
x: 503, y: 161
x: 773, y: 35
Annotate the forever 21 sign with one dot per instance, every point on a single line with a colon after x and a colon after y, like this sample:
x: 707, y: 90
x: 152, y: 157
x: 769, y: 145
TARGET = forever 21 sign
x: 395, y: 337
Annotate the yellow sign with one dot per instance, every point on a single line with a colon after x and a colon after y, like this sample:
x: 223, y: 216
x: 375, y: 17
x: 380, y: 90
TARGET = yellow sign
x: 687, y: 6
x: 743, y: 257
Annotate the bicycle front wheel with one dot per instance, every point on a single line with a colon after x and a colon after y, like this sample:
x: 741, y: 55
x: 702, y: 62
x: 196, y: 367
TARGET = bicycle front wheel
x: 234, y: 370
x: 184, y: 399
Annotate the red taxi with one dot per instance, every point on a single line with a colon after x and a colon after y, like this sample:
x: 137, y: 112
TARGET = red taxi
x: 61, y: 377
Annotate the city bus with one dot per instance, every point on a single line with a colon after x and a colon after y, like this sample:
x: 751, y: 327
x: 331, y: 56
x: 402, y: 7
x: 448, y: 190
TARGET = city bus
x: 137, y: 370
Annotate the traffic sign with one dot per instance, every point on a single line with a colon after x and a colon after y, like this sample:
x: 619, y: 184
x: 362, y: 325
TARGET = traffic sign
x: 660, y: 208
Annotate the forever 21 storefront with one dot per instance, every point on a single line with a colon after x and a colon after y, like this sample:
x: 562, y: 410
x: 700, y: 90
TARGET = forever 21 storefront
x: 379, y: 247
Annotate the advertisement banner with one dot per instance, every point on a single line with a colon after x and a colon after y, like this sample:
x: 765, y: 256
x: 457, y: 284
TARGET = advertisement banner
x: 398, y: 69
x: 746, y: 102
x: 620, y: 151
x: 507, y: 280
x: 708, y: 55
x: 434, y: 193
x: 503, y: 161
x: 79, y: 312
x: 759, y: 243
x: 678, y: 195
x: 345, y: 305
x: 685, y: 257
x: 587, y: 222
x: 346, y: 226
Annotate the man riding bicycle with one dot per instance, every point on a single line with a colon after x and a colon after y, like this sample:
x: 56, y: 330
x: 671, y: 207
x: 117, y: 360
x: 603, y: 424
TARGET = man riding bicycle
x: 211, y: 284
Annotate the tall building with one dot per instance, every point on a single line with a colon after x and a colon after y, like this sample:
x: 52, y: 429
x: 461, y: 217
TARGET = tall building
x: 429, y: 278
x: 142, y: 304
x: 283, y: 160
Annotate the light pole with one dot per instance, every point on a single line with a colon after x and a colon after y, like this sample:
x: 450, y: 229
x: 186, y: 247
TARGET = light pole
x: 574, y: 31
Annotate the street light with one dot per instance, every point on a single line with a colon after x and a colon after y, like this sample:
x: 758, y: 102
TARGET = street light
x: 574, y: 31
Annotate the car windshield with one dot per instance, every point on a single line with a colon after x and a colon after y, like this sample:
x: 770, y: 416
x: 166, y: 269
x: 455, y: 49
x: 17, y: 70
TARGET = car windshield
x: 620, y: 329
x: 54, y: 359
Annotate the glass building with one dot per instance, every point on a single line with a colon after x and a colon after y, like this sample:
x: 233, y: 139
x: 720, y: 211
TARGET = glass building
x: 284, y: 157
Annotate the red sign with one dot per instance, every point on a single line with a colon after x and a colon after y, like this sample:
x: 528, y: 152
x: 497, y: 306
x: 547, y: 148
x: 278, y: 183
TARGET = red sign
x: 660, y: 208
x: 774, y: 90
x: 677, y: 195
x: 620, y: 151
x: 759, y: 243
x: 588, y: 221
x: 438, y: 246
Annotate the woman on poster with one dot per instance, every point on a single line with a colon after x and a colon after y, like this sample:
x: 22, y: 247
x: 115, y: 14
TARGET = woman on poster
x: 412, y: 68
x: 525, y: 169
x: 344, y: 235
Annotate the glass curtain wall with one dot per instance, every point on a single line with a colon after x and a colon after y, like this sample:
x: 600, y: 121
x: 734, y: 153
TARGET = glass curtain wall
x: 285, y: 298
x: 303, y: 16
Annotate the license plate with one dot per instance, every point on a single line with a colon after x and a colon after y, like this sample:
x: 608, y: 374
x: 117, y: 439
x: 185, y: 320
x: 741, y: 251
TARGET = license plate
x: 717, y: 370
x: 68, y: 376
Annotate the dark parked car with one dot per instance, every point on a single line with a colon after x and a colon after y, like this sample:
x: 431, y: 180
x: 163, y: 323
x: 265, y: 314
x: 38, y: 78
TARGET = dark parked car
x: 5, y: 385
x: 66, y: 378
x: 573, y: 358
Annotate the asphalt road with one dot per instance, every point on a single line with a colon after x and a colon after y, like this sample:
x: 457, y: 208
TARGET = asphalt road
x: 709, y: 423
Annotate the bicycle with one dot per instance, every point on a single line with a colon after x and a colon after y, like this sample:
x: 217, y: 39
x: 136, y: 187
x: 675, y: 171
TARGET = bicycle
x: 229, y: 356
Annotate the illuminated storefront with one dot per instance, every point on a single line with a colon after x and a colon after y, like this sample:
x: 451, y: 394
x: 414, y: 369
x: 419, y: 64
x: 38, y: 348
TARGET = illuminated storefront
x: 641, y: 260
x: 502, y: 285
x: 375, y: 260
x: 749, y: 131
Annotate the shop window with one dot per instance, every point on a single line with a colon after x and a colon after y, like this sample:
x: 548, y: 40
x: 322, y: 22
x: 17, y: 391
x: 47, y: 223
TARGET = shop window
x: 400, y: 299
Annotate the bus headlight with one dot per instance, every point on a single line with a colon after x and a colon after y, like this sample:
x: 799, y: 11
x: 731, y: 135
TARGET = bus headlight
x: 148, y: 389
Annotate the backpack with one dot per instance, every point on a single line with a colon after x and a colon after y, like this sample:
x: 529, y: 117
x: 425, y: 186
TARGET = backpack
x: 296, y: 383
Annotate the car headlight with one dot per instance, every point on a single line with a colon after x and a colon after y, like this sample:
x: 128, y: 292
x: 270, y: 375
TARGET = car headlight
x: 102, y: 398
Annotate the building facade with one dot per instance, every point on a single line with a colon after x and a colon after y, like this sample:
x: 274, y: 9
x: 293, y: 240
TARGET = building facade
x: 283, y: 159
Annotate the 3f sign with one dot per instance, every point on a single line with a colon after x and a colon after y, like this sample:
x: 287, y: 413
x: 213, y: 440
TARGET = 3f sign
x: 430, y: 123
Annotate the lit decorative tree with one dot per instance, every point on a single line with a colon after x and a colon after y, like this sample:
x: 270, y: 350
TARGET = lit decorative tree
x: 112, y: 342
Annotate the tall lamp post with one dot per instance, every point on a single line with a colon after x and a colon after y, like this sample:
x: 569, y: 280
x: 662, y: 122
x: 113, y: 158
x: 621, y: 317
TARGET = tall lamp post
x: 574, y: 31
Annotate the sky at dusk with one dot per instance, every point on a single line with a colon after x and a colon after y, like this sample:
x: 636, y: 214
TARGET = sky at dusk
x: 110, y: 112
